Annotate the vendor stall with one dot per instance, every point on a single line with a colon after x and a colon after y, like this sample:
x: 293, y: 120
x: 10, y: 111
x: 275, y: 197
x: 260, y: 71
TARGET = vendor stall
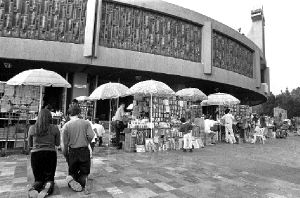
x: 21, y: 99
x: 155, y: 118
x: 18, y: 106
x: 86, y: 106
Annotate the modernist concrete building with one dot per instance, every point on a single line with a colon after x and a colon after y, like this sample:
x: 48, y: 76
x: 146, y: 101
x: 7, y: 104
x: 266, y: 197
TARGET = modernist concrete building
x: 91, y: 42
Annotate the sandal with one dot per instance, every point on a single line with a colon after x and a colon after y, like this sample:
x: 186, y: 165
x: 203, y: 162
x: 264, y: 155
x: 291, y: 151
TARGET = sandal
x: 32, y: 193
x: 74, y: 185
x: 45, y: 191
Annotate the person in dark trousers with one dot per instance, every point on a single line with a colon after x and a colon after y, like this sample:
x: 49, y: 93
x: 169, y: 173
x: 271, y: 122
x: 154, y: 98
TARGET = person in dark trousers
x: 77, y: 135
x: 42, y: 139
x: 119, y: 124
x: 186, y: 129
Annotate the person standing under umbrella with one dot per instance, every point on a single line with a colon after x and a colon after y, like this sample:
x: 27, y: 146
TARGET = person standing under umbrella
x: 42, y: 139
x: 228, y: 121
x: 186, y: 129
x: 119, y: 123
x: 77, y: 135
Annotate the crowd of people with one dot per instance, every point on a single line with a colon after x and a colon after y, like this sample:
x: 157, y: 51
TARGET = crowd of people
x: 77, y: 138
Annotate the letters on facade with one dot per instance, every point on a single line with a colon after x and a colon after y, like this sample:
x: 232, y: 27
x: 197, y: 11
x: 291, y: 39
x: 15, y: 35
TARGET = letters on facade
x: 54, y: 20
x: 231, y: 55
x: 131, y: 28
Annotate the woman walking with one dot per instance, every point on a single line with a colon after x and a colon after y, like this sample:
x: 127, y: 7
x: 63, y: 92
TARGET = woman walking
x: 42, y: 139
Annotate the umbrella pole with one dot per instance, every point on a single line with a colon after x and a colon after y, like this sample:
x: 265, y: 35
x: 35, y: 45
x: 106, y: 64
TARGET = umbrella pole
x: 220, y: 131
x: 41, y: 98
x: 151, y: 111
x: 109, y: 122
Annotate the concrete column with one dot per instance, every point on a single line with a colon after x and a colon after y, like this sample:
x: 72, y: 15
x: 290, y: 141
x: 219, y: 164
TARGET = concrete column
x: 98, y: 27
x: 267, y: 77
x: 206, y: 51
x: 257, y: 69
x: 95, y: 103
x: 90, y: 28
x: 65, y: 96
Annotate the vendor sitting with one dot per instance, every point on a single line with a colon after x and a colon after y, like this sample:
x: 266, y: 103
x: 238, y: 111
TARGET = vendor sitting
x: 208, y: 124
x: 186, y: 129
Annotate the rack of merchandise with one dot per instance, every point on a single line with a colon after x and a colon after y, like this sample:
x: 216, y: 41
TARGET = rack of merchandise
x: 87, y: 109
x: 18, y: 105
x: 162, y: 134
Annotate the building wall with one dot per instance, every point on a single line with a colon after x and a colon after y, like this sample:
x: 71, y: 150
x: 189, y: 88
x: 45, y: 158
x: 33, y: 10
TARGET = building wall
x: 161, y: 37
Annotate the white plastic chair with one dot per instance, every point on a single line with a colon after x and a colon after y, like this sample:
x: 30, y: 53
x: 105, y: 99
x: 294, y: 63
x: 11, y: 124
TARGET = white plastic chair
x: 260, y: 135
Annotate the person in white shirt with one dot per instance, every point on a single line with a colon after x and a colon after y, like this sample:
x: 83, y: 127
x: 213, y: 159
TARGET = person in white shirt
x: 208, y: 123
x: 99, y: 129
x: 119, y: 124
x: 93, y: 142
x: 228, y: 121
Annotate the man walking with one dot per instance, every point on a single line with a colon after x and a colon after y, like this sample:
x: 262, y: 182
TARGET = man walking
x: 77, y: 135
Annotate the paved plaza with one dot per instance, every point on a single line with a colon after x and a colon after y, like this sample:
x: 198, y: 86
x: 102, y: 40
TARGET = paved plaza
x: 241, y: 170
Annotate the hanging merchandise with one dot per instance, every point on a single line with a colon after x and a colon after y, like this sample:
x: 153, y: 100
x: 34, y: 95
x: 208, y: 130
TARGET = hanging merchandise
x: 18, y: 106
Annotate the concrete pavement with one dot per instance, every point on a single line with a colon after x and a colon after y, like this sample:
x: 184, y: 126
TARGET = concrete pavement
x: 240, y: 170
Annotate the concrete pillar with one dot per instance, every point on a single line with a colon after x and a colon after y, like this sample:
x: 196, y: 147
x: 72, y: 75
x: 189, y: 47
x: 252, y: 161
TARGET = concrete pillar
x: 257, y: 69
x: 267, y: 77
x: 206, y: 50
x: 88, y: 50
x: 98, y: 27
x: 95, y: 102
x: 65, y: 96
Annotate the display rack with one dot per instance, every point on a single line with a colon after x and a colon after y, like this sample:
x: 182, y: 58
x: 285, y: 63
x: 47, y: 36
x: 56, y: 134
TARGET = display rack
x: 87, y: 109
x: 14, y: 128
x: 18, y: 105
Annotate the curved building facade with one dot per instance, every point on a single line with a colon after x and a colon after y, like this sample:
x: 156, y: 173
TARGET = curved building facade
x: 91, y: 42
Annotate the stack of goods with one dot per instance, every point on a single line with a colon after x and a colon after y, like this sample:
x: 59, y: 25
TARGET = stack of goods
x: 87, y: 109
x: 141, y: 135
x: 178, y: 108
x: 19, y: 99
x: 140, y: 124
x: 161, y: 110
x: 194, y: 110
x: 130, y: 141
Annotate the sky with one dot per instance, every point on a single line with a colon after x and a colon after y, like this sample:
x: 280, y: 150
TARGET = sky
x: 282, y: 32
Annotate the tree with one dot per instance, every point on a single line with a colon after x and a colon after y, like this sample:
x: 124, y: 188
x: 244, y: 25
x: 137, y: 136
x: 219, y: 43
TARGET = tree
x: 287, y: 100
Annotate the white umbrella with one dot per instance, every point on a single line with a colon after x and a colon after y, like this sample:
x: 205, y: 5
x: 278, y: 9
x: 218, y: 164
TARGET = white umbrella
x: 192, y: 94
x: 130, y: 107
x: 151, y: 88
x: 39, y: 77
x: 222, y: 99
x: 109, y: 91
x: 204, y: 103
x: 82, y: 98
